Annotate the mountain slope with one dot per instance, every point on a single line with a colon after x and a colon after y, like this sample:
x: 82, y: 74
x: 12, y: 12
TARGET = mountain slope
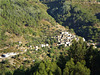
x: 81, y: 16
x: 28, y: 20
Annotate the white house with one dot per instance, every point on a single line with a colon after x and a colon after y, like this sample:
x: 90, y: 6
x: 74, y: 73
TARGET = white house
x: 66, y: 32
x: 62, y: 32
x: 36, y: 48
x: 68, y: 37
x: 67, y: 44
x: 19, y: 42
x: 47, y: 45
x: 83, y: 39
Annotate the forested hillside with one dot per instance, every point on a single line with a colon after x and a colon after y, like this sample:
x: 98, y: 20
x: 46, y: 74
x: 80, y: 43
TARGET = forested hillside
x: 47, y: 37
x: 24, y: 18
x: 78, y: 59
x: 82, y: 17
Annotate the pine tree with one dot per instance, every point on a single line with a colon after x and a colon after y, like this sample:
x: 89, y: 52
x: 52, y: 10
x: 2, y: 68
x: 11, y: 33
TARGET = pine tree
x: 78, y: 50
x: 75, y: 69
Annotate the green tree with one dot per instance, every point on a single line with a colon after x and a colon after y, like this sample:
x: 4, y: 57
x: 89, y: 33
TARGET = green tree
x: 47, y: 68
x: 62, y: 61
x: 75, y: 69
x: 92, y: 60
x: 77, y: 50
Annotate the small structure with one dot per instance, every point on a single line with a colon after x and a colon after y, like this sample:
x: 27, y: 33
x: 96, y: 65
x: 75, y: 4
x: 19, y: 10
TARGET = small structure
x: 47, y: 45
x: 62, y: 32
x: 67, y: 33
x: 68, y: 37
x: 67, y: 44
x: 33, y: 61
x: 42, y: 45
x: 19, y: 42
x: 83, y: 39
x: 36, y: 48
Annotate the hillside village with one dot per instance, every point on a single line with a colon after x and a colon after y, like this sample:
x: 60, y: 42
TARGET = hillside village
x: 65, y: 38
x: 49, y: 37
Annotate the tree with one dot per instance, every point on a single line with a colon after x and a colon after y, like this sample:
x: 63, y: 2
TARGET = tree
x: 77, y: 17
x: 75, y: 69
x: 19, y: 71
x: 62, y: 61
x: 92, y: 60
x: 77, y: 50
x: 47, y: 68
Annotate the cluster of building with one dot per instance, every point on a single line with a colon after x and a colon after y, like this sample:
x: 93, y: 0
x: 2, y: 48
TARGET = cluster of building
x: 66, y: 38
x: 31, y: 47
x: 40, y: 46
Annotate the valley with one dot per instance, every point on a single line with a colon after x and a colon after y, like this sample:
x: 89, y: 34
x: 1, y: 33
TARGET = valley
x: 49, y: 37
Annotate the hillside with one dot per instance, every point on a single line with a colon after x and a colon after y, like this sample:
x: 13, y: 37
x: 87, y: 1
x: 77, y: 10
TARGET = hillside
x: 24, y: 20
x: 24, y: 25
x: 82, y: 17
x: 49, y: 37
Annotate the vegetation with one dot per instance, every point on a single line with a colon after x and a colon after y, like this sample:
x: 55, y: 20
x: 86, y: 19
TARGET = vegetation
x: 78, y: 17
x: 26, y: 24
x: 86, y: 64
x: 23, y: 18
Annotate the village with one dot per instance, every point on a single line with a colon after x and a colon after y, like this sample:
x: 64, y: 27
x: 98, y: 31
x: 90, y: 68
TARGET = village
x: 65, y: 38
